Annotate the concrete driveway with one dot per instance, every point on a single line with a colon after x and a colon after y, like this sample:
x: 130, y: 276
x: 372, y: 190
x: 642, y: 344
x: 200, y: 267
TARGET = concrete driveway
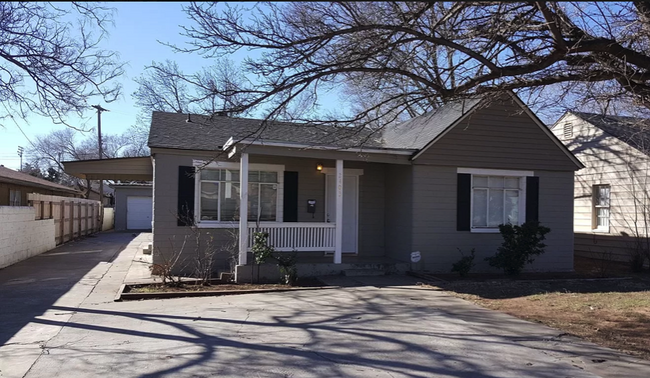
x: 370, y: 327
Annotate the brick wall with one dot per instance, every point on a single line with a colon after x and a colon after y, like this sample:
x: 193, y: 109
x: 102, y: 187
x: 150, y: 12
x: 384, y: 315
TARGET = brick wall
x: 22, y: 237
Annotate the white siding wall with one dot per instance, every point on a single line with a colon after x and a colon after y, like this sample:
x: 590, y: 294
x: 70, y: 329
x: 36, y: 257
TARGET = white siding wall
x: 608, y: 161
x: 22, y: 237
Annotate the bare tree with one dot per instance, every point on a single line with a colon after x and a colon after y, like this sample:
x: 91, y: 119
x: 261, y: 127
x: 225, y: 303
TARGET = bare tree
x: 50, y: 60
x: 50, y: 150
x: 408, y: 57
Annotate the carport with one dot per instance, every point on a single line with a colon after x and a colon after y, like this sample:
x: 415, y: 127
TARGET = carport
x: 133, y: 201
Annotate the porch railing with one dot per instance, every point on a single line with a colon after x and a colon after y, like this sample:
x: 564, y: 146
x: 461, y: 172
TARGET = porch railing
x: 300, y: 237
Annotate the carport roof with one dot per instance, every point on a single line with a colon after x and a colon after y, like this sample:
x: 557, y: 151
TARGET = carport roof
x: 125, y: 169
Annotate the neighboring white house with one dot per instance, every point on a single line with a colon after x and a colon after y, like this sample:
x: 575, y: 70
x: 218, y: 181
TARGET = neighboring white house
x: 612, y: 202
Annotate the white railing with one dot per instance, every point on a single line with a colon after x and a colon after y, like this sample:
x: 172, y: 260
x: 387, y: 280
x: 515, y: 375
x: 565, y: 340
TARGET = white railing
x: 300, y: 237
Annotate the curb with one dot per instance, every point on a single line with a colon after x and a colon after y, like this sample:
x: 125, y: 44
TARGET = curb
x: 122, y: 296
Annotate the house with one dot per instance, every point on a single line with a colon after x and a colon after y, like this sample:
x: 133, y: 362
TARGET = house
x: 611, y: 194
x: 133, y: 206
x: 343, y: 198
x: 14, y: 187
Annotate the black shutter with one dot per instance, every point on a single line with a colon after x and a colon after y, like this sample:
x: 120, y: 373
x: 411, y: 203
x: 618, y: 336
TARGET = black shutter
x: 532, y: 199
x: 290, y: 208
x: 463, y: 202
x: 185, y: 196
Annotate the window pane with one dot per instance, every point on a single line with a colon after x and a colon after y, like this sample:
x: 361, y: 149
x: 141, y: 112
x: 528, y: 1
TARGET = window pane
x: 479, y: 208
x: 209, y: 200
x: 271, y: 177
x: 495, y: 209
x: 210, y: 174
x: 512, y: 182
x: 603, y: 196
x: 495, y: 182
x: 268, y: 198
x: 253, y: 176
x: 603, y: 217
x: 512, y: 206
x: 230, y: 175
x: 253, y: 201
x: 480, y: 181
x: 229, y: 201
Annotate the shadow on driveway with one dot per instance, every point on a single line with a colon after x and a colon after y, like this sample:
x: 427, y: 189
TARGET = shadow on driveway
x: 31, y: 287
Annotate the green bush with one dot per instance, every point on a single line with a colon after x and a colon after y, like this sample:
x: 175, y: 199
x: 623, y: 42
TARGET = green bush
x: 520, y: 244
x: 465, y: 264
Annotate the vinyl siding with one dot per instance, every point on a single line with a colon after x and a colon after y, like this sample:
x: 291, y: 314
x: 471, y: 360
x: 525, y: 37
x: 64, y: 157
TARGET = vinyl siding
x: 311, y: 185
x: 399, y: 211
x: 434, y: 222
x: 500, y: 136
x: 608, y: 161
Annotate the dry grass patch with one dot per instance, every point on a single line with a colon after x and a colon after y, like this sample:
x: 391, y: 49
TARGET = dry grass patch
x: 612, y: 313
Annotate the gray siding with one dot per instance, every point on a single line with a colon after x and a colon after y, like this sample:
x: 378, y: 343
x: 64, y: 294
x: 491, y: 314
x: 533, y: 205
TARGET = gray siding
x: 120, y: 203
x: 399, y: 211
x: 311, y: 185
x: 500, y: 136
x: 434, y: 221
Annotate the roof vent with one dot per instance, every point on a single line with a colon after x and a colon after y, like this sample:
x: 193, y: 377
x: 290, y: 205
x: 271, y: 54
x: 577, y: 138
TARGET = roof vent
x: 189, y: 118
x: 568, y: 130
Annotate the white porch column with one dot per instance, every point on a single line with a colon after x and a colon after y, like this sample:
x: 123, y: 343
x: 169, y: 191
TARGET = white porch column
x: 339, y: 213
x: 243, y: 209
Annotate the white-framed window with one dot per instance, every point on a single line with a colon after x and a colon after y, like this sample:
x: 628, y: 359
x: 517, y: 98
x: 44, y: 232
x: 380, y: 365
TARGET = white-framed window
x: 601, y: 209
x: 14, y: 198
x: 218, y: 193
x: 497, y: 197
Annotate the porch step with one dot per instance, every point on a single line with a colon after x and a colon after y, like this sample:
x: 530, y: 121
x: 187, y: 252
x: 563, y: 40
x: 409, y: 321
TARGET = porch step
x: 147, y: 249
x: 363, y: 272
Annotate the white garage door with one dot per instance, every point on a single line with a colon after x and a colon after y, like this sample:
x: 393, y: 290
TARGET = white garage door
x: 138, y: 213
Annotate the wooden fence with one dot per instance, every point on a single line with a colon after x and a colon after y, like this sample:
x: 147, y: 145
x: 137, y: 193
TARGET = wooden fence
x: 73, y: 217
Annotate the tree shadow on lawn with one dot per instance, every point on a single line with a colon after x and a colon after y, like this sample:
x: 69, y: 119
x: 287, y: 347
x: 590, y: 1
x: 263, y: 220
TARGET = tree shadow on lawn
x: 374, y: 334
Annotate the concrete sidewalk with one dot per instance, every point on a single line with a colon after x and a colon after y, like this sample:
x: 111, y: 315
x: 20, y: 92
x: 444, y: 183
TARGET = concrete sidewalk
x: 90, y: 269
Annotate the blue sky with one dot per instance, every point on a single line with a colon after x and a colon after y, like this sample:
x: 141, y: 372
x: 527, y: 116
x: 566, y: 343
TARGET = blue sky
x: 138, y: 27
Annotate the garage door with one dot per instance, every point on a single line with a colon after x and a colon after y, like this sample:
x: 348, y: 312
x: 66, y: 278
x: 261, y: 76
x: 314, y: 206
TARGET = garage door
x: 138, y: 213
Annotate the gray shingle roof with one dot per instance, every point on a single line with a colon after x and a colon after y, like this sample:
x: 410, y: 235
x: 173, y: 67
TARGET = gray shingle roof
x: 631, y: 130
x: 417, y: 132
x: 171, y: 130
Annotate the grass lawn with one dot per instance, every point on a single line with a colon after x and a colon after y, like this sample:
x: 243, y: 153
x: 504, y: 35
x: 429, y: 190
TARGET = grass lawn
x: 613, y: 313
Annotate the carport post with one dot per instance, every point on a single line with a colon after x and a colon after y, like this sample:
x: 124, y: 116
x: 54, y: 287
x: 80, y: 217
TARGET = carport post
x: 243, y: 209
x: 338, y: 246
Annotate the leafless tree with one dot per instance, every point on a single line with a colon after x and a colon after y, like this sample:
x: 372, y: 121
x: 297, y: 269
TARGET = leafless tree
x: 50, y: 60
x: 50, y: 150
x: 405, y: 58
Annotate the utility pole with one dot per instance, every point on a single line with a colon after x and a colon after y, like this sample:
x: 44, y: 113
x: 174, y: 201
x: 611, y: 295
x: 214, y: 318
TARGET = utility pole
x: 101, y: 151
x: 20, y: 153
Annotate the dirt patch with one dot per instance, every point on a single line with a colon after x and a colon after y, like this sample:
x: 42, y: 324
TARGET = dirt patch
x: 611, y: 312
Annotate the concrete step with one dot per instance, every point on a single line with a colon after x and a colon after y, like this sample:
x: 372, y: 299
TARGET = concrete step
x: 363, y: 272
x: 147, y: 249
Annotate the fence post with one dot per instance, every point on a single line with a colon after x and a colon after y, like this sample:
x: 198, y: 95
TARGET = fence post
x: 79, y: 220
x: 51, y: 209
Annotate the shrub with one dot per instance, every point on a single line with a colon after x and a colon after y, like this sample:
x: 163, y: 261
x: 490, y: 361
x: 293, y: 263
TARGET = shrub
x: 520, y: 244
x: 465, y: 264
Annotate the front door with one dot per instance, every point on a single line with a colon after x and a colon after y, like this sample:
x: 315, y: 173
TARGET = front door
x: 350, y: 209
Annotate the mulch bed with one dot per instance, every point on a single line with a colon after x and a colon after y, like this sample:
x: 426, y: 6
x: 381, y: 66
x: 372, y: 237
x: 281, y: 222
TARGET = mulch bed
x: 215, y: 288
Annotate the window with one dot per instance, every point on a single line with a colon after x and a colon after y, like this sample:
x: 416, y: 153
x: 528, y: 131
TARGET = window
x: 14, y: 198
x: 568, y: 130
x: 220, y: 191
x: 601, y: 200
x: 496, y: 200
